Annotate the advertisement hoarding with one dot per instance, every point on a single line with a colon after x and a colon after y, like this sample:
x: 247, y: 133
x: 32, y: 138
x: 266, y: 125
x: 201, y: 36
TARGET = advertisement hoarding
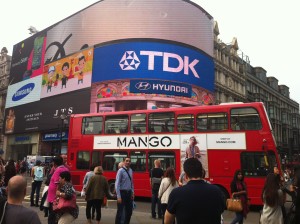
x: 28, y: 58
x: 45, y: 114
x: 68, y: 74
x: 153, y: 60
x: 24, y: 92
x: 174, y: 20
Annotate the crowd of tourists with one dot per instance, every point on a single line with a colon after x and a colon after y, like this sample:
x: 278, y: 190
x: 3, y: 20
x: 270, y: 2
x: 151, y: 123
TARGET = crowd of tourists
x: 190, y: 199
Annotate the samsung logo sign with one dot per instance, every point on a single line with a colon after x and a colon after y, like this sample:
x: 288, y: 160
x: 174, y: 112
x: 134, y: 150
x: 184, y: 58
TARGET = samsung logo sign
x: 23, y: 92
x: 130, y: 61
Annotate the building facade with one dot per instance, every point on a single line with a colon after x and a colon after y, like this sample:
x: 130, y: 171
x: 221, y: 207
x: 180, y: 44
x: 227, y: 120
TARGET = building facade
x: 5, y: 63
x: 34, y: 121
x: 237, y: 81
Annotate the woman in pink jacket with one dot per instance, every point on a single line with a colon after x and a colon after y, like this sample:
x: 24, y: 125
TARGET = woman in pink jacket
x: 54, y: 181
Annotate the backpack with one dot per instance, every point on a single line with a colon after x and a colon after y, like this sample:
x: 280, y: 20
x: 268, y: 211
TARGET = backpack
x: 38, y: 174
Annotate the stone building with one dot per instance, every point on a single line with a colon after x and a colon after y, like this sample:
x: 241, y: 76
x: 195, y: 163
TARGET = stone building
x: 5, y: 62
x: 237, y: 81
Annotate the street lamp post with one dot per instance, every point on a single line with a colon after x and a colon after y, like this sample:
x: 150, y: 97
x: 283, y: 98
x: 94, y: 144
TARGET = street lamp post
x: 64, y: 121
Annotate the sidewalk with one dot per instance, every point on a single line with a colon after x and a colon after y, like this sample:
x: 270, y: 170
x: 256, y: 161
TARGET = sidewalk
x: 108, y: 216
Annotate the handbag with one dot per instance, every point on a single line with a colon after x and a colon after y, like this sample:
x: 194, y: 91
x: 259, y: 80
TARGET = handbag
x: 62, y: 204
x: 104, y: 202
x: 234, y: 204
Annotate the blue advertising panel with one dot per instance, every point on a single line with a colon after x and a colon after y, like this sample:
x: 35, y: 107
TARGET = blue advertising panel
x: 24, y: 92
x: 153, y: 60
x: 160, y: 87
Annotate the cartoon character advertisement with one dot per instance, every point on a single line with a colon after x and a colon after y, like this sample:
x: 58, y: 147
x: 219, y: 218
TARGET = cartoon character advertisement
x: 68, y: 74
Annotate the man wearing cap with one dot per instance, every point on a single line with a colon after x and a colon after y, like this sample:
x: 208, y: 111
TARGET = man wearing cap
x: 38, y: 177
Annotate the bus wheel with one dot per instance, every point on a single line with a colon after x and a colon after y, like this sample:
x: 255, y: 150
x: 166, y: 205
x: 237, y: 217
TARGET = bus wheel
x: 112, y: 190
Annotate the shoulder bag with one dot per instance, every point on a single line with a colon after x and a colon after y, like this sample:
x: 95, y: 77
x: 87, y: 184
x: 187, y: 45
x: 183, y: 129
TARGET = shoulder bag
x: 165, y: 190
x: 62, y: 204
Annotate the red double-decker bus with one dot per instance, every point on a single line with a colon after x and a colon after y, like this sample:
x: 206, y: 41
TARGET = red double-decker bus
x: 230, y: 136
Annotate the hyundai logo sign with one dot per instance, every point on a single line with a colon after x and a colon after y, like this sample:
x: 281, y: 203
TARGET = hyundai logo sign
x: 23, y: 92
x: 143, y: 86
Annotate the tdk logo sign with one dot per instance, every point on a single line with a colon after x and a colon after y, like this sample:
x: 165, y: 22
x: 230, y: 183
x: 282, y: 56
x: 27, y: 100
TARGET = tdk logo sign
x: 23, y: 92
x: 130, y: 61
x: 143, y: 86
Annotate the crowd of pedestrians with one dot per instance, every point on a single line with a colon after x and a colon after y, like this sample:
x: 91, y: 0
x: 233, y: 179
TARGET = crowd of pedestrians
x: 190, y: 199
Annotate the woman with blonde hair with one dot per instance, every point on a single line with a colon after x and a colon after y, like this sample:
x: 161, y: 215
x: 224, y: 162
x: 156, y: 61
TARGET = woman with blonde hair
x: 96, y: 189
x: 168, y: 183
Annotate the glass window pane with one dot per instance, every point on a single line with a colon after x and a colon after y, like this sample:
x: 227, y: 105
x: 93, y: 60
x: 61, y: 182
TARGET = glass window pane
x: 138, y: 161
x: 96, y: 158
x: 185, y: 122
x: 257, y: 163
x: 92, y: 125
x: 161, y: 122
x: 245, y: 119
x: 83, y: 160
x: 167, y: 159
x: 138, y: 123
x: 116, y: 124
x: 212, y: 122
x: 111, y: 160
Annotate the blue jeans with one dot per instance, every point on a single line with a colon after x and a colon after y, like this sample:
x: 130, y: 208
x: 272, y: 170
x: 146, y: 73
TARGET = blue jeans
x: 127, y: 205
x: 239, y: 218
x: 35, y: 188
x: 154, y: 201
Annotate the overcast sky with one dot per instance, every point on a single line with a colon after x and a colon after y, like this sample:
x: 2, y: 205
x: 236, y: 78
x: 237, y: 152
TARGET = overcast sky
x: 267, y: 31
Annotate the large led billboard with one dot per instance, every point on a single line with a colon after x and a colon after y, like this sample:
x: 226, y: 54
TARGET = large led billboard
x: 153, y: 60
x: 68, y: 74
x: 174, y: 20
x: 45, y: 114
x: 28, y: 58
x: 24, y: 92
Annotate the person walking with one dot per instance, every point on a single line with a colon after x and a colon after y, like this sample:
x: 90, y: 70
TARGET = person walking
x: 239, y: 190
x: 58, y: 168
x: 125, y: 192
x: 156, y: 175
x: 86, y: 179
x: 296, y: 188
x: 65, y: 190
x: 14, y: 211
x: 38, y: 177
x: 273, y: 198
x: 168, y: 183
x: 10, y: 171
x: 197, y: 201
x: 96, y: 189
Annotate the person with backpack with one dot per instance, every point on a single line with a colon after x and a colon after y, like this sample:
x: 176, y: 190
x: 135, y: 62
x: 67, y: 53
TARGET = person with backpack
x: 37, y: 174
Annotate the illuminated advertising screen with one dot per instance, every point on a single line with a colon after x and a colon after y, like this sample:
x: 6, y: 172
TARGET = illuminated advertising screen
x: 45, y: 114
x: 68, y: 74
x: 105, y: 21
x: 28, y: 58
x: 24, y: 92
x: 153, y: 61
x: 160, y: 87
